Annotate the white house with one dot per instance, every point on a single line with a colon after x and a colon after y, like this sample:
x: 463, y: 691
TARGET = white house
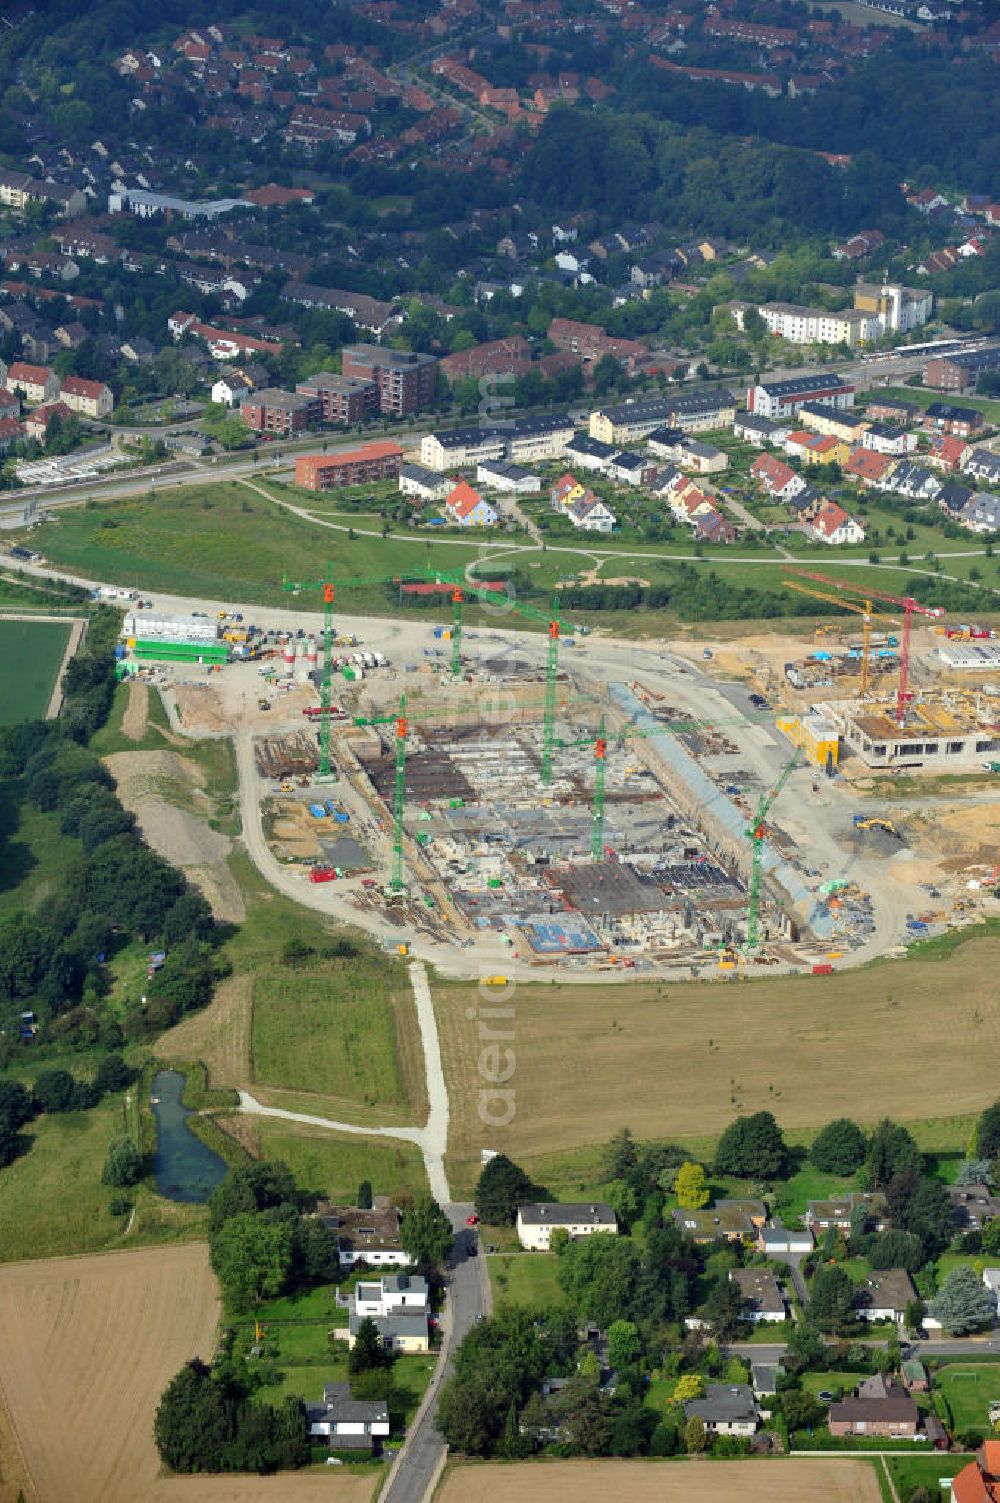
x: 397, y: 1303
x: 511, y: 478
x: 763, y: 1301
x: 229, y: 391
x: 346, y: 1424
x: 536, y: 1222
x: 589, y: 513
x: 726, y: 1409
x: 426, y: 485
x: 833, y: 525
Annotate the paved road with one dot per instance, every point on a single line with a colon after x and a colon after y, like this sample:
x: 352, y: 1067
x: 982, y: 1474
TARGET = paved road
x: 412, y: 1478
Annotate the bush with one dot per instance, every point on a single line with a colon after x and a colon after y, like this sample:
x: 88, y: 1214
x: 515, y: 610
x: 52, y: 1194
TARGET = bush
x: 118, y: 1205
x: 123, y: 1165
x: 839, y: 1148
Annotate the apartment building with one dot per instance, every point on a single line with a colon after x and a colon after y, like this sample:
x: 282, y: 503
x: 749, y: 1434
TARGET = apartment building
x: 282, y: 413
x: 324, y: 472
x: 405, y: 380
x: 340, y: 399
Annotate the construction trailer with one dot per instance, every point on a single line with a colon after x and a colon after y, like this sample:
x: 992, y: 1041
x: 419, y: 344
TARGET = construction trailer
x: 211, y: 654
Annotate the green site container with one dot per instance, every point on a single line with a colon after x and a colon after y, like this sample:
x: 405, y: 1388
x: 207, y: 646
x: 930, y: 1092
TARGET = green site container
x: 349, y: 674
x: 495, y: 882
x: 456, y: 803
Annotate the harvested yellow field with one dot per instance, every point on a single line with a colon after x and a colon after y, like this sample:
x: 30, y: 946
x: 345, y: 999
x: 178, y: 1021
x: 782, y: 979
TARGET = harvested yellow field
x: 88, y: 1346
x: 769, y: 1481
x: 287, y: 1487
x: 911, y: 1039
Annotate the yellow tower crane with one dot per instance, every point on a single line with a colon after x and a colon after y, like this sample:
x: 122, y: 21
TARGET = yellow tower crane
x: 864, y: 610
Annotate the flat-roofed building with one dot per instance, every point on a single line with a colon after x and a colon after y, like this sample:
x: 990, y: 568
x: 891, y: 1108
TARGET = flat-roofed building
x: 382, y: 460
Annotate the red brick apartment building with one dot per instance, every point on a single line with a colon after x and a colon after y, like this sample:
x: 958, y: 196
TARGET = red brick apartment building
x: 340, y: 399
x: 326, y: 472
x: 405, y: 380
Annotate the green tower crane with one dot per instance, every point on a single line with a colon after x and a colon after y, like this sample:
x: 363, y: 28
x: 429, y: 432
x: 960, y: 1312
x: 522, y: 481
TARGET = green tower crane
x: 457, y: 600
x: 757, y: 832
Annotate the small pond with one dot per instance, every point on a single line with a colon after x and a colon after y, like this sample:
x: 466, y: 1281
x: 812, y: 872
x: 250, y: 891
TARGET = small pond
x: 185, y: 1169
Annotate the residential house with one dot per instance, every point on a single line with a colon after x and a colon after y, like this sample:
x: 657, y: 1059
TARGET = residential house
x: 891, y: 410
x: 397, y: 1303
x: 37, y: 383
x: 729, y: 1220
x: 72, y: 335
x: 590, y: 453
x: 817, y: 448
x: 381, y: 460
x: 983, y: 464
x: 833, y: 525
x: 754, y: 428
x: 764, y: 1378
x: 511, y: 478
x: 467, y: 508
x: 974, y: 1204
x: 341, y: 399
x: 139, y: 351
x: 979, y: 1482
x: 11, y: 432
x: 500, y: 357
x: 726, y: 1409
x: 667, y: 443
x: 702, y: 459
x: 838, y: 1212
x: 460, y: 448
x: 532, y: 440
x: 953, y: 497
x: 590, y: 514
x: 370, y: 1237
x: 37, y: 423
x: 631, y: 469
x: 230, y: 391
x: 948, y: 452
x: 94, y: 399
x: 870, y: 469
x: 914, y: 1375
x: 886, y: 1296
x: 282, y: 413
x: 880, y: 1406
x: 713, y: 527
x: 763, y: 1301
x: 780, y: 481
x: 780, y: 399
x: 888, y: 438
x: 566, y: 490
x: 836, y: 422
x: 982, y: 514
x: 991, y: 1278
x: 705, y: 409
x: 536, y: 1222
x: 915, y: 481
x: 422, y: 484
x: 944, y: 417
x: 624, y: 422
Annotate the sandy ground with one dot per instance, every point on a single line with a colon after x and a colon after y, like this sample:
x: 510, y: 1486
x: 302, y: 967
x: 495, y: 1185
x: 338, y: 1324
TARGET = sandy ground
x: 774, y: 1481
x: 221, y: 889
x: 219, y: 1035
x: 135, y: 721
x: 89, y: 1345
x: 294, y: 829
x: 199, y: 708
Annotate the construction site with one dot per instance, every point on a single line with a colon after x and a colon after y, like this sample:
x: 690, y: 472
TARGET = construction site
x: 614, y: 807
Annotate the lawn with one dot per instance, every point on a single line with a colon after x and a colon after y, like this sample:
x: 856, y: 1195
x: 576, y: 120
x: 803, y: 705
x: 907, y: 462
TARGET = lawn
x: 680, y: 1061
x: 968, y: 1389
x: 111, y: 738
x: 334, y: 1164
x: 911, y: 1472
x: 52, y: 1201
x: 33, y: 855
x: 30, y: 655
x: 329, y: 1030
x: 835, y: 1383
x: 806, y: 1184
x: 526, y: 1279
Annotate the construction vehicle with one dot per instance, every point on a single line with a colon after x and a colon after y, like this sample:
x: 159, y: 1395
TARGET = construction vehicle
x: 874, y: 822
x: 322, y: 874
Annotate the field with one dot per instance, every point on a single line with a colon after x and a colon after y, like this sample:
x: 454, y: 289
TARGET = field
x: 923, y: 1471
x: 30, y: 655
x: 525, y: 1279
x: 682, y: 1061
x: 89, y: 1344
x: 780, y: 1481
x: 52, y: 1200
x: 329, y: 1031
x: 969, y: 1389
x: 334, y: 1165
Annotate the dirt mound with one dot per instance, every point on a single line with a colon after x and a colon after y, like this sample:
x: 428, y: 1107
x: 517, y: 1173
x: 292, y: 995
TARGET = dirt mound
x: 156, y: 786
x: 222, y: 890
x: 135, y: 721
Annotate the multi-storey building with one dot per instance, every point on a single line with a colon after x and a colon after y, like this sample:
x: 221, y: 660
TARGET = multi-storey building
x: 406, y: 381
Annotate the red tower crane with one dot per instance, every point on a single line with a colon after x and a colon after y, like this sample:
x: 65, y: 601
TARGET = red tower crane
x: 909, y: 607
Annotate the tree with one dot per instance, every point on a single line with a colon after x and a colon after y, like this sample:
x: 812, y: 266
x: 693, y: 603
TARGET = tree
x: 252, y: 1187
x: 620, y: 1156
x: 891, y: 1151
x: 974, y: 1172
x: 806, y: 1347
x: 724, y: 1308
x: 369, y: 1350
x: 501, y: 1188
x: 831, y: 1300
x: 991, y: 1236
x: 54, y: 1091
x: 623, y: 1198
x: 426, y: 1233
x: 896, y: 1249
x: 752, y: 1147
x: 624, y: 1344
x: 252, y: 1256
x: 664, y: 1440
x: 695, y: 1439
x: 988, y: 1132
x: 839, y: 1148
x: 691, y: 1187
x: 690, y: 1386
x: 365, y: 1199
x: 601, y: 1276
x: 801, y: 1410
x: 194, y: 1421
x: 113, y: 1075
x: 963, y: 1303
x: 123, y: 1165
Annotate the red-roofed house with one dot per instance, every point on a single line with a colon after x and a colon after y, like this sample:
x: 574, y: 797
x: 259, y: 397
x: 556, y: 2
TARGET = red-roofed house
x: 948, y: 452
x: 37, y: 382
x: 565, y: 491
x: 979, y: 1482
x: 831, y: 524
x: 11, y: 431
x: 869, y: 468
x: 271, y: 196
x: 37, y: 423
x: 93, y: 398
x: 466, y: 507
x: 777, y: 478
